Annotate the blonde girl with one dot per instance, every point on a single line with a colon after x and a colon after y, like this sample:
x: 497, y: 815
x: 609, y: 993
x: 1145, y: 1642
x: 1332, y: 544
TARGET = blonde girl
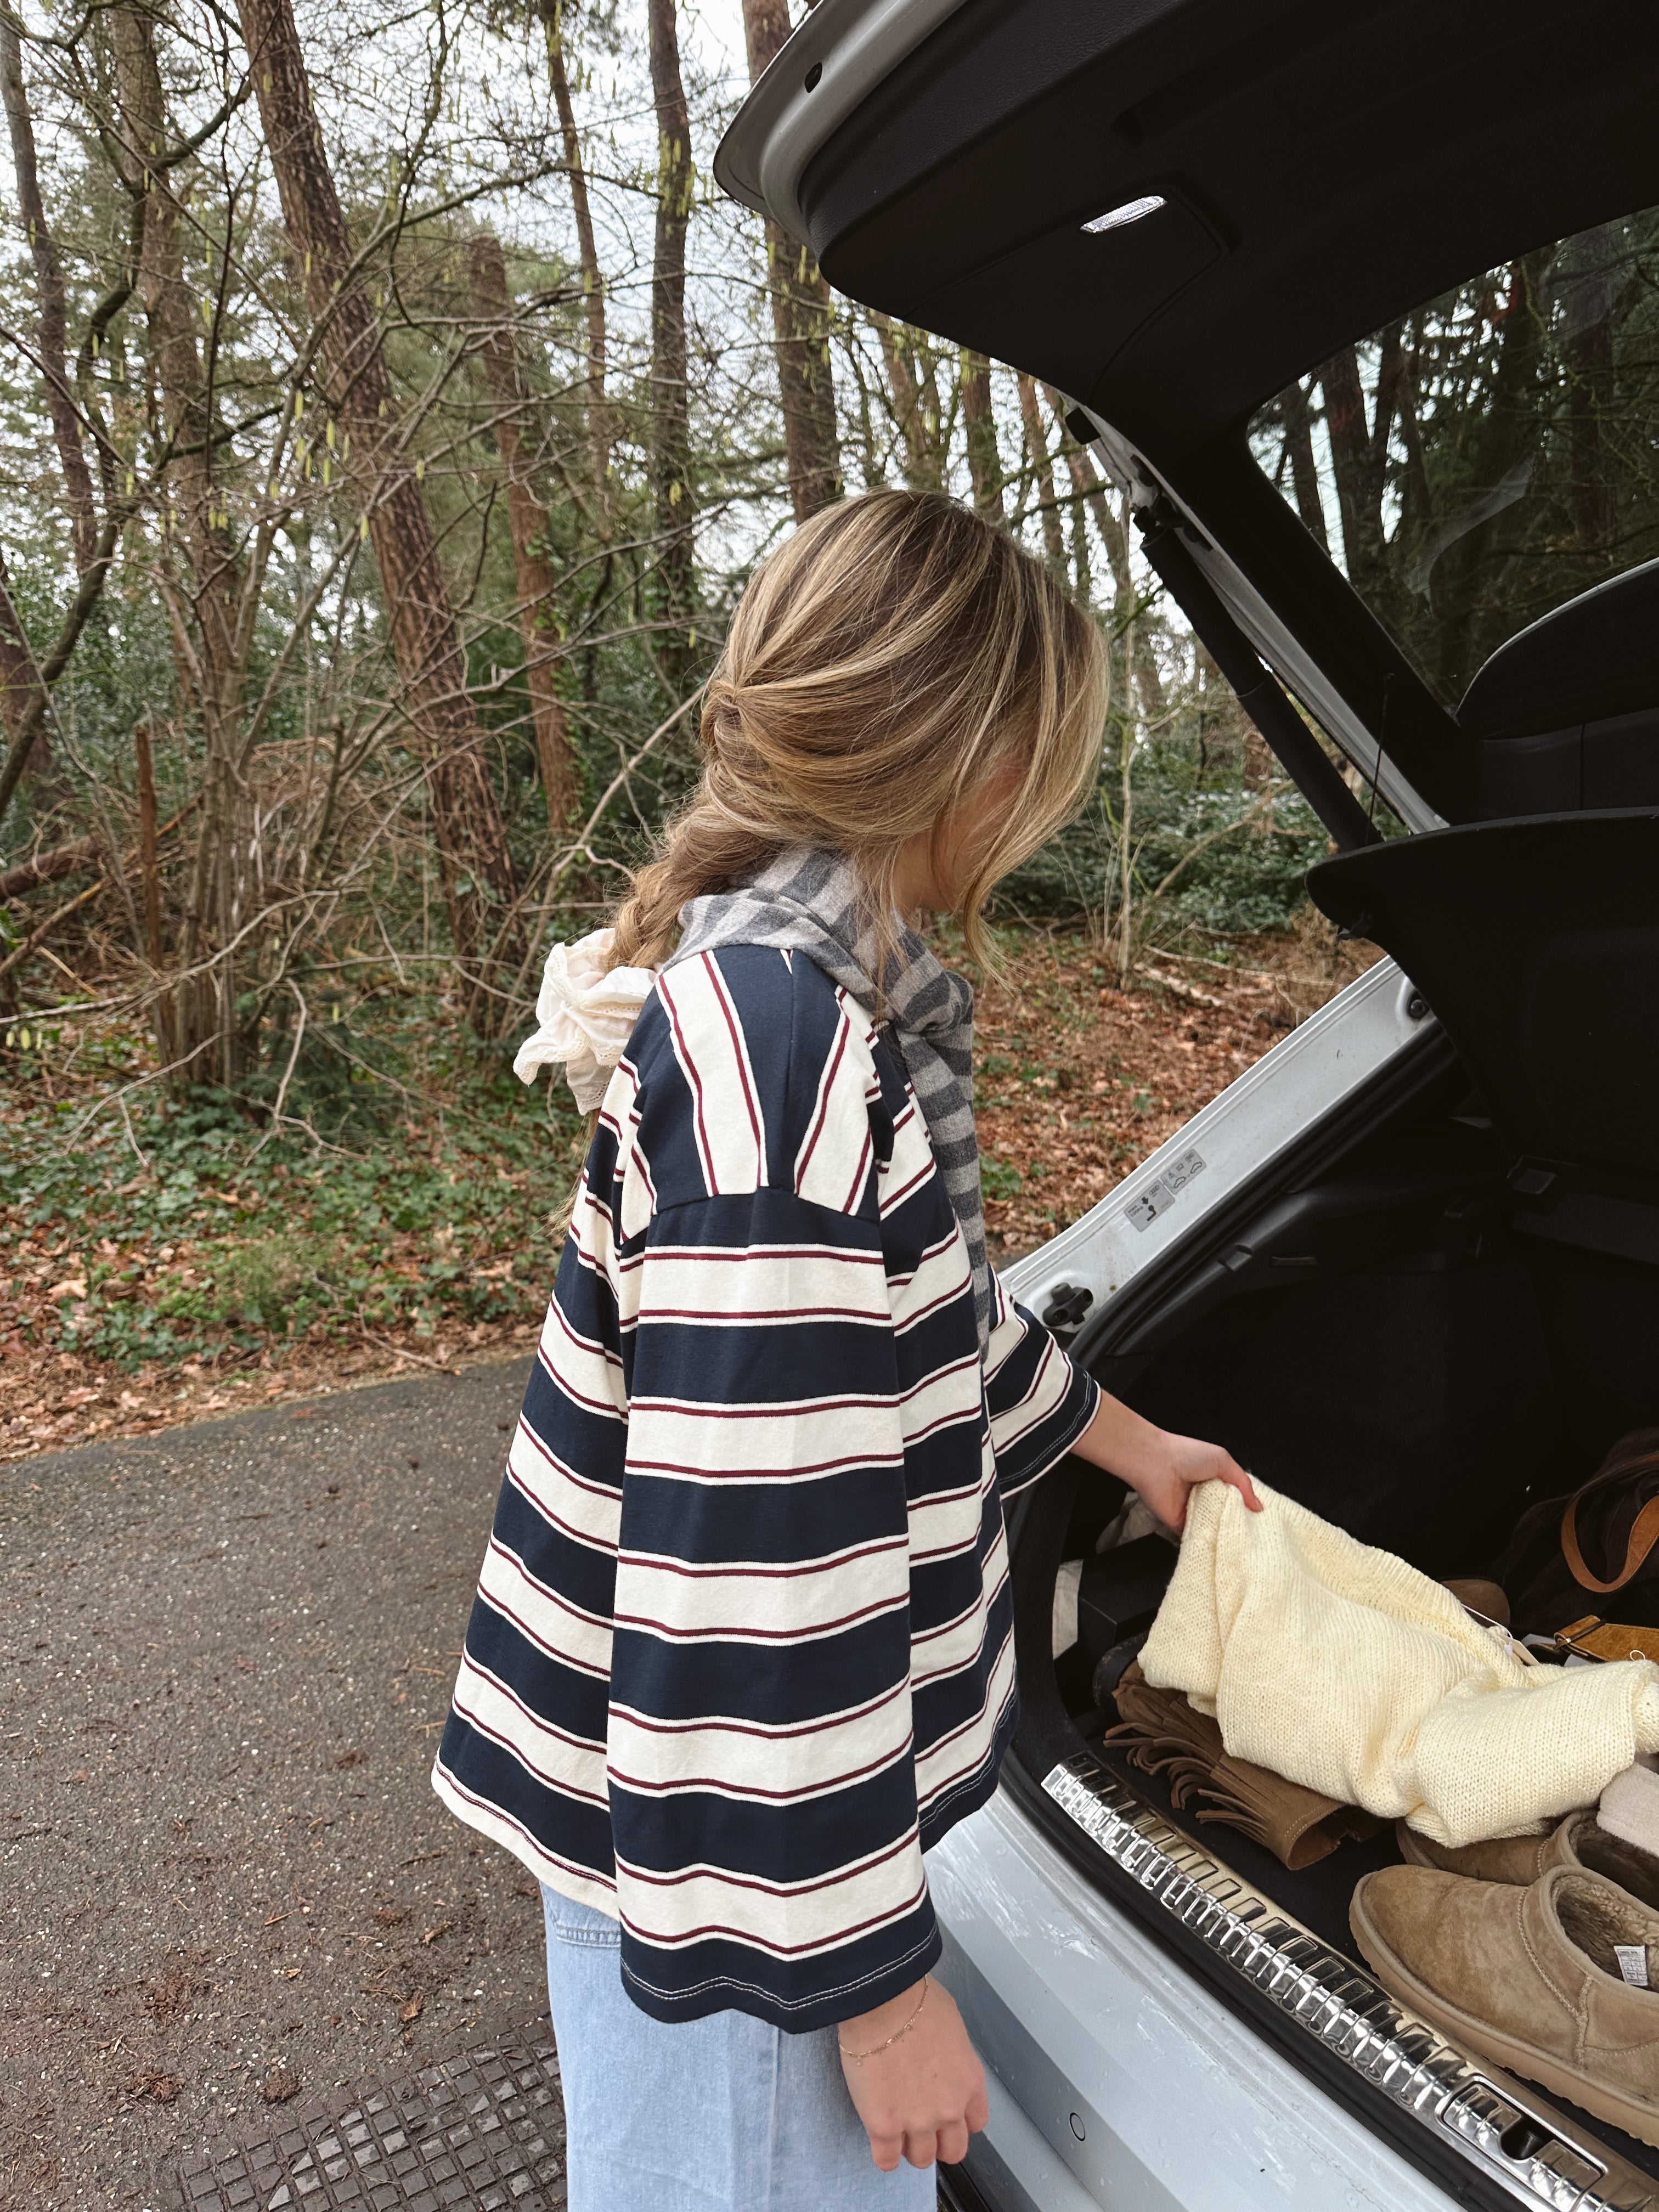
x: 742, y: 1649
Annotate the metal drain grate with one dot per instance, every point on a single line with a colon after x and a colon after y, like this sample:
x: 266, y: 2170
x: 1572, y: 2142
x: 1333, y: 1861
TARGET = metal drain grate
x: 481, y: 2133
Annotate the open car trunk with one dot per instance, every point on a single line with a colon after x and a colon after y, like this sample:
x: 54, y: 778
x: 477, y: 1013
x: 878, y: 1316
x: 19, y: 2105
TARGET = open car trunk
x: 1444, y: 1307
x: 1443, y: 1301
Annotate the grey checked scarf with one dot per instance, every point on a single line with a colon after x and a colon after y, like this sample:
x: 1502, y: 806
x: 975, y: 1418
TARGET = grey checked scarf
x: 812, y: 902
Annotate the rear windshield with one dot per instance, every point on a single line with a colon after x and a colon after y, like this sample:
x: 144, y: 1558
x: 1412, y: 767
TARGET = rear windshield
x: 1479, y: 461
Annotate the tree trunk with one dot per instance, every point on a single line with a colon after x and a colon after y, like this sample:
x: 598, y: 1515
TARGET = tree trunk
x: 52, y: 333
x: 1353, y: 463
x: 48, y: 867
x: 1137, y: 645
x: 1471, y: 617
x: 1042, y: 464
x: 911, y: 389
x: 1304, y: 472
x: 171, y: 311
x: 426, y: 638
x: 18, y: 680
x: 528, y: 517
x: 17, y: 670
x: 202, y: 1021
x: 51, y: 664
x: 1126, y: 851
x: 979, y: 428
x: 670, y: 395
x: 1591, y: 386
x: 149, y: 876
x: 1416, y: 497
x: 599, y: 424
x: 801, y: 317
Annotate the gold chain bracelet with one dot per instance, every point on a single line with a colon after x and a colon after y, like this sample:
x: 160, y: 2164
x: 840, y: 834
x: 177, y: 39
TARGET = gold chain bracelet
x: 858, y: 2057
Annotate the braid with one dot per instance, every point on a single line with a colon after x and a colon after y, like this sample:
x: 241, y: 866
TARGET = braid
x: 702, y: 850
x: 709, y: 846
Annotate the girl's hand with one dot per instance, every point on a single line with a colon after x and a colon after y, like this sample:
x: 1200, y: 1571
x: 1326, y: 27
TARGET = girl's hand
x: 1176, y: 1465
x: 923, y: 2096
x: 1161, y: 1466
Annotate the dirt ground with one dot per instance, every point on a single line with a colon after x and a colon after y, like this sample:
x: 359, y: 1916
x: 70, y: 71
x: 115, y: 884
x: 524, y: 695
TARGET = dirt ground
x: 1078, y: 1080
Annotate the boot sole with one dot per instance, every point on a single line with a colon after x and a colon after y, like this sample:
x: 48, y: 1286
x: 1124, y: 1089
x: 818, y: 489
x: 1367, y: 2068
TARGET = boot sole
x: 1533, y: 2064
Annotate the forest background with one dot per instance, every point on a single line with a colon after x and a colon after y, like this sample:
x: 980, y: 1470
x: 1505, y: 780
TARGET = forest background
x: 391, y: 410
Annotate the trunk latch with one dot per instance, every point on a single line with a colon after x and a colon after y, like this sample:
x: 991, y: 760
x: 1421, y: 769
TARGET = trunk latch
x: 1068, y: 1303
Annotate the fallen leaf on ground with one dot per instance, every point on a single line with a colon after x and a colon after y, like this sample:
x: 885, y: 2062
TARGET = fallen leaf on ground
x: 160, y: 2088
x: 414, y: 2008
x: 1078, y: 1080
x: 169, y: 1996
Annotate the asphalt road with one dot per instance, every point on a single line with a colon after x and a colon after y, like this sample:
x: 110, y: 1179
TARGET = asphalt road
x: 225, y: 1652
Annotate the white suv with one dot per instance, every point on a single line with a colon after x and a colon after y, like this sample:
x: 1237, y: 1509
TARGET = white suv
x: 1361, y: 304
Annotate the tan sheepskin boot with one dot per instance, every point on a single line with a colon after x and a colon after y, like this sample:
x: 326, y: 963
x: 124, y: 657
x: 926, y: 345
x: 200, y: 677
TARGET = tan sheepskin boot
x: 1546, y: 1981
x: 1578, y: 1842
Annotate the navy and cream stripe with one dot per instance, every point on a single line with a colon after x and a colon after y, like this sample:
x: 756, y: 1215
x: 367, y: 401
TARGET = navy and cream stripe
x: 815, y: 902
x: 742, y: 1647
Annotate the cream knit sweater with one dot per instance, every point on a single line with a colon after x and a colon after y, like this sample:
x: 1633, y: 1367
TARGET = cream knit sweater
x: 1345, y: 1669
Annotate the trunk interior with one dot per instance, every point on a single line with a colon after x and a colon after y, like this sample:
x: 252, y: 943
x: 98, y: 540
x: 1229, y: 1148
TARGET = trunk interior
x: 1397, y: 1341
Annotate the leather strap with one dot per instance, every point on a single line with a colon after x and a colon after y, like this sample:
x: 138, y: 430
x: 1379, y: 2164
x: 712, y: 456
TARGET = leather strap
x: 1643, y: 1535
x: 1608, y: 1640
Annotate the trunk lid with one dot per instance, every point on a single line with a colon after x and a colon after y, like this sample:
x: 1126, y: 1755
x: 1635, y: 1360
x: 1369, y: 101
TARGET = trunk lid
x: 1362, y: 290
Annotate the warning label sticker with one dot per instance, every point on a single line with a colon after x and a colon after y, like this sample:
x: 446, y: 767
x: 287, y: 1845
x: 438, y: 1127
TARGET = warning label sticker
x: 1161, y: 1194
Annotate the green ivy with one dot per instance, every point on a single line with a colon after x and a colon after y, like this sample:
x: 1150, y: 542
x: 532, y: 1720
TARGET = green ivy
x: 228, y: 1237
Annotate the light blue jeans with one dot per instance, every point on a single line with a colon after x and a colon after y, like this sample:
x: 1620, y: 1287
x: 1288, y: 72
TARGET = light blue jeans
x: 722, y: 2114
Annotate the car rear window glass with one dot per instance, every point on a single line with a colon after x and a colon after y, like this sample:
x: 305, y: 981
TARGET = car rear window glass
x: 1487, y: 456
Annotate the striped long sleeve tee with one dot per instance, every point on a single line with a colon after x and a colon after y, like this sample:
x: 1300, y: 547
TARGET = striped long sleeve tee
x: 742, y: 1644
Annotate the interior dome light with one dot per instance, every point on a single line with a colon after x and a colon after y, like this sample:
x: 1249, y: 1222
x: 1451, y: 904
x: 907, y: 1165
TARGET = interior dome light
x: 1131, y: 211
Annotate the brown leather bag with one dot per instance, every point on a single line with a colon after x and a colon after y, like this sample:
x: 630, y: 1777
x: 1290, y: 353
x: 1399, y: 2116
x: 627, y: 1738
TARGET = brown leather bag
x: 1609, y: 1639
x: 1604, y: 1538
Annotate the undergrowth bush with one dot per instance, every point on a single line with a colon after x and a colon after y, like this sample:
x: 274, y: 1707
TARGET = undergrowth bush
x: 187, y: 1230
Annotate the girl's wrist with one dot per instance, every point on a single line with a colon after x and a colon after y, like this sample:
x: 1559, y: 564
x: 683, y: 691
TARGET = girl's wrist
x: 1124, y: 1444
x: 853, y: 2047
x: 872, y: 2027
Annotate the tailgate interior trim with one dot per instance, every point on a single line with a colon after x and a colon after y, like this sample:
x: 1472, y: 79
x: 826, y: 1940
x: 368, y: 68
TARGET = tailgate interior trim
x: 1512, y: 2134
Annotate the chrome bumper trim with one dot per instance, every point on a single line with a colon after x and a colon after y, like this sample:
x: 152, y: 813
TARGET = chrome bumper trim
x: 1512, y: 2134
